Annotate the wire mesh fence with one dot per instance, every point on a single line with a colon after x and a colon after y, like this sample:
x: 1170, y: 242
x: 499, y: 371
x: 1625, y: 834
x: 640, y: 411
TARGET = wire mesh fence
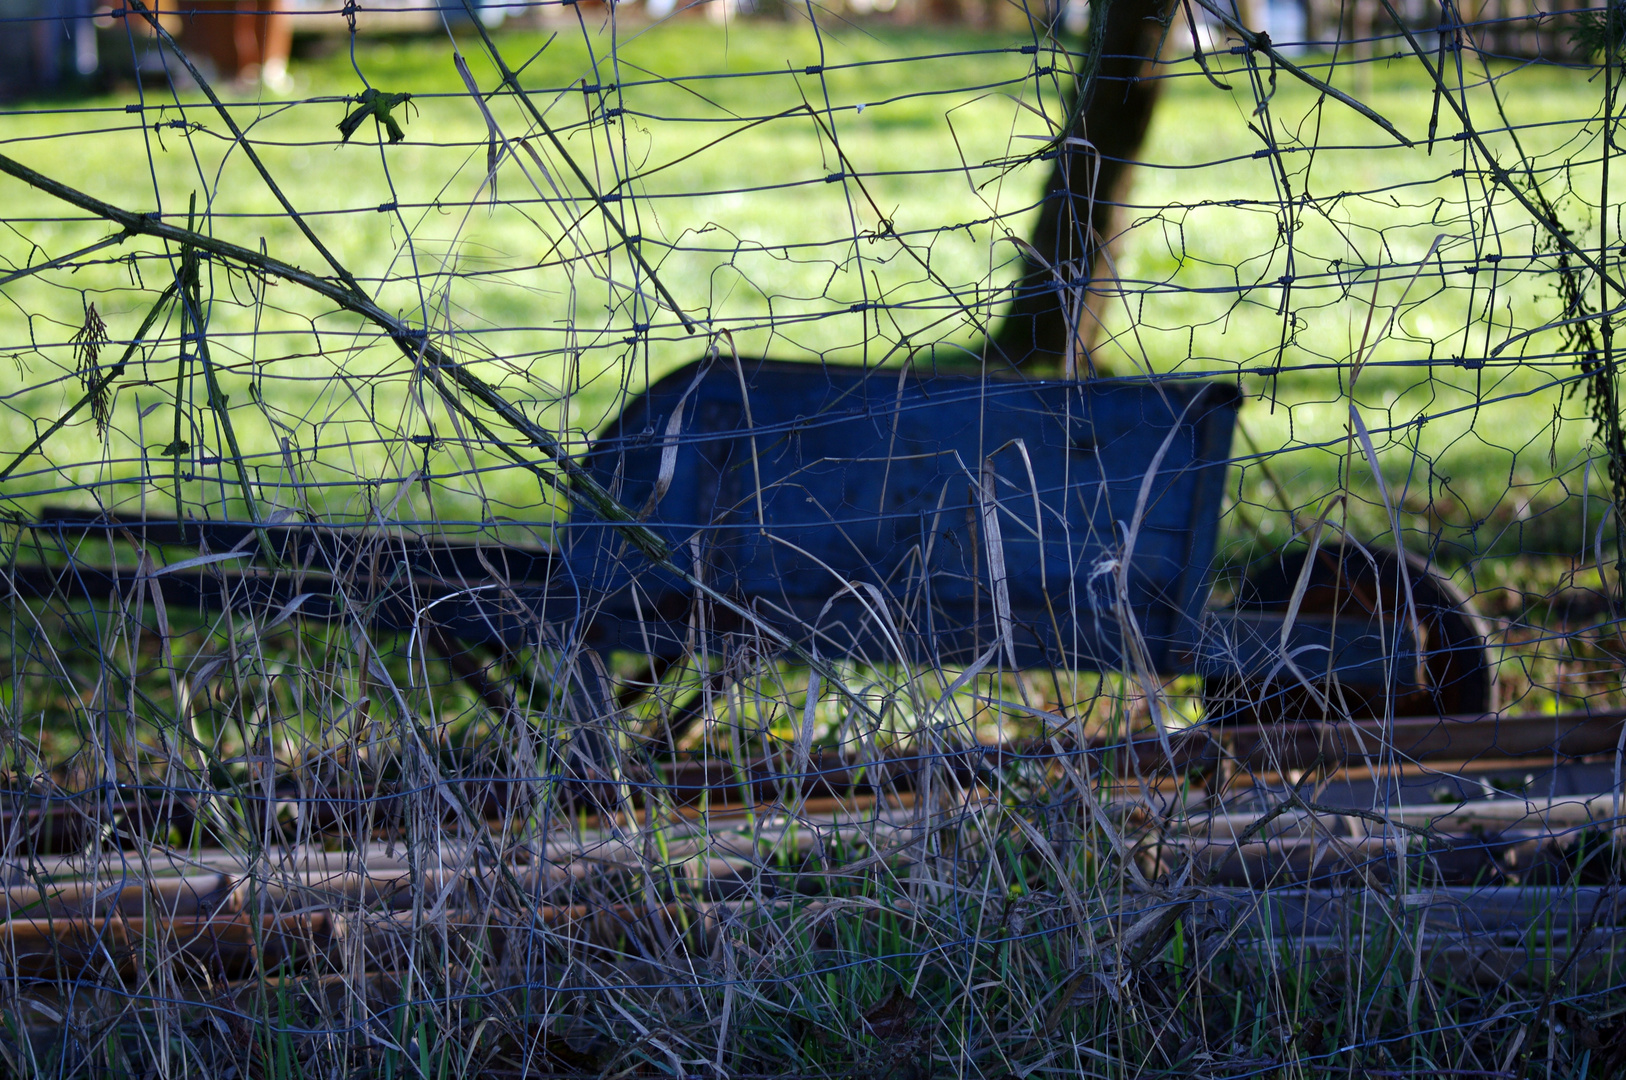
x: 884, y: 541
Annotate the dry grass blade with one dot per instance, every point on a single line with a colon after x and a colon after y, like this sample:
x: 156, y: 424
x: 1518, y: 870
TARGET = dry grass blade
x: 430, y: 663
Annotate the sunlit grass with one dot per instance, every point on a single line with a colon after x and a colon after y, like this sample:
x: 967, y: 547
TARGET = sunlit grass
x: 751, y: 236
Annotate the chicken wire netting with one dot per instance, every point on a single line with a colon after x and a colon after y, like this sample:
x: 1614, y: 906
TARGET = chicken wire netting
x: 889, y: 541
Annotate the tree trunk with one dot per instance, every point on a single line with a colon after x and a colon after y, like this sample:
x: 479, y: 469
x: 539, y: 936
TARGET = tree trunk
x: 1052, y: 323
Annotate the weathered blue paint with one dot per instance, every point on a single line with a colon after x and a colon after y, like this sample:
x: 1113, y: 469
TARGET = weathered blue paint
x: 868, y: 512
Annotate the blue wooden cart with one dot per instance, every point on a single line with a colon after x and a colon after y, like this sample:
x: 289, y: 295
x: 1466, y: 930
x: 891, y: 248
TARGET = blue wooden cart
x: 885, y: 515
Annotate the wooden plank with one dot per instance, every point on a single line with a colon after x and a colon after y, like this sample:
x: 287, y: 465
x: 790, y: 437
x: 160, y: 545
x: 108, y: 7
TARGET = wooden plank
x: 1303, y: 745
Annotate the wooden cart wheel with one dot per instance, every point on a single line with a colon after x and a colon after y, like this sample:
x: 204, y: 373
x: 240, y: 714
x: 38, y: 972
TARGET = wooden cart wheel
x: 1458, y: 677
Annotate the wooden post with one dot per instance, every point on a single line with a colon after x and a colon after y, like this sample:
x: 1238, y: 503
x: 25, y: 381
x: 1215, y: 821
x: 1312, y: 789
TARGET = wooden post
x: 1054, y: 318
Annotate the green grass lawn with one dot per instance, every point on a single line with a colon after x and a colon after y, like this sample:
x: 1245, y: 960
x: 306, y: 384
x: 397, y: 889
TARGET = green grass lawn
x: 726, y: 179
x: 770, y: 265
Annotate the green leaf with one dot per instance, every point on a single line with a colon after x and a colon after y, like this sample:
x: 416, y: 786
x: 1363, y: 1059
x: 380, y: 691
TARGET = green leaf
x: 379, y: 105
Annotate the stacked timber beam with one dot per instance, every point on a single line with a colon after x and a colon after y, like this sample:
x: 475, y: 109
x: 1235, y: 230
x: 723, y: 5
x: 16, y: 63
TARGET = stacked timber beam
x: 1284, y: 805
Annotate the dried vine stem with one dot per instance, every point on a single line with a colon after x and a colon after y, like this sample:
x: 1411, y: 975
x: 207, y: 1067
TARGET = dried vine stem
x: 1602, y: 394
x: 415, y: 345
x: 1260, y: 42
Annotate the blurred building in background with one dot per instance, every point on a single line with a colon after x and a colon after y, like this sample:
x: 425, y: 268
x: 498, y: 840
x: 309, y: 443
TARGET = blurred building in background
x: 45, y: 44
x: 50, y: 46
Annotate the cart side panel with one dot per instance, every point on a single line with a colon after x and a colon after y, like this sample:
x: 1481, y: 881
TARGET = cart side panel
x: 919, y: 519
x: 1216, y: 425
